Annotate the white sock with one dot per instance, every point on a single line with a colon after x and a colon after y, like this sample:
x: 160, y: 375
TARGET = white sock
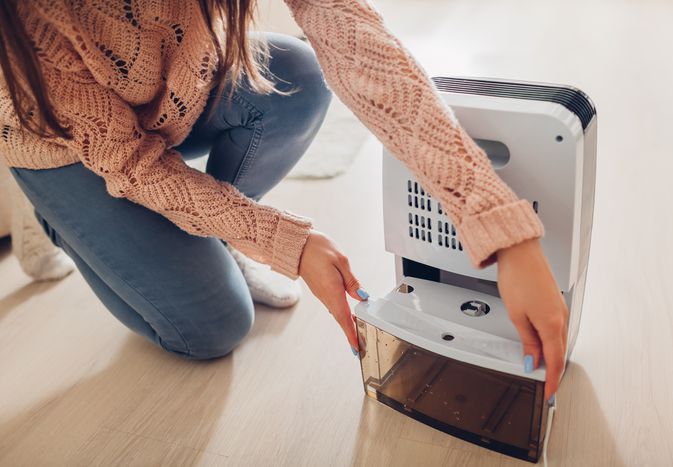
x: 37, y: 255
x: 266, y: 286
x: 48, y: 267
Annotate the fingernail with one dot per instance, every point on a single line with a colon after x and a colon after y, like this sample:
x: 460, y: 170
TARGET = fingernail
x: 362, y: 294
x: 552, y: 399
x: 528, y: 363
x: 355, y: 352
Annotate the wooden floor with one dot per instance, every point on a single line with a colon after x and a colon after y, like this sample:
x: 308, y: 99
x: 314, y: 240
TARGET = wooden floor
x: 77, y: 388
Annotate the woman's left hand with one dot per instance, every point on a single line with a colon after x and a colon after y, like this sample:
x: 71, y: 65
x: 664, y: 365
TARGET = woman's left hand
x: 326, y: 271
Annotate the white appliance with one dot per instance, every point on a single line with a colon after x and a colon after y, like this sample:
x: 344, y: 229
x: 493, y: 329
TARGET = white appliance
x: 440, y: 347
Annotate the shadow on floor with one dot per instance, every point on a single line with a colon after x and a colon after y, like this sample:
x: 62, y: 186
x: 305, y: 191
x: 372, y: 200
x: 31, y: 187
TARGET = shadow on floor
x: 23, y: 294
x: 145, y: 407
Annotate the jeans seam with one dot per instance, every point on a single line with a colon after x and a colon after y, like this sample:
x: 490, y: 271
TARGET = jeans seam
x: 123, y: 280
x: 258, y: 128
x: 247, y: 104
x: 250, y: 154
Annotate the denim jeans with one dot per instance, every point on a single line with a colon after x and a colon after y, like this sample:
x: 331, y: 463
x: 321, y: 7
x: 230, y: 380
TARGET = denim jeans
x: 185, y: 293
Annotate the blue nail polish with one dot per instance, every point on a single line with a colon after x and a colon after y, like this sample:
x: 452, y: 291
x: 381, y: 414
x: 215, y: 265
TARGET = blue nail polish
x: 362, y: 294
x: 552, y: 400
x: 355, y: 352
x: 528, y: 363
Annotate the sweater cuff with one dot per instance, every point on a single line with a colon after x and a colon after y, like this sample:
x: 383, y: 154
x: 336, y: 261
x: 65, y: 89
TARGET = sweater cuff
x: 288, y: 244
x: 484, y: 234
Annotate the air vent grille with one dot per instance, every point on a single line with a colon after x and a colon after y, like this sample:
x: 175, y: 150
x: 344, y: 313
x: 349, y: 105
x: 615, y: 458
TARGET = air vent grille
x: 417, y: 197
x: 431, y: 226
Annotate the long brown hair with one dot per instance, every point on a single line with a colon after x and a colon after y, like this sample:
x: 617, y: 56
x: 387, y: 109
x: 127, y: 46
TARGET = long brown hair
x: 229, y: 21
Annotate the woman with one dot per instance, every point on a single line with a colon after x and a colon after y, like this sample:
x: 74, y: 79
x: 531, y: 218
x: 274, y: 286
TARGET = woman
x: 101, y: 104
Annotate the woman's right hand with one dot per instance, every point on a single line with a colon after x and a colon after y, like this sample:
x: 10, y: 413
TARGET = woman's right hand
x: 326, y: 271
x: 536, y: 308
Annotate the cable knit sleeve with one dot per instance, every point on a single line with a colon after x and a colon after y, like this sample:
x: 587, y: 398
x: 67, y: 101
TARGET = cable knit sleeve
x: 382, y: 84
x: 137, y: 165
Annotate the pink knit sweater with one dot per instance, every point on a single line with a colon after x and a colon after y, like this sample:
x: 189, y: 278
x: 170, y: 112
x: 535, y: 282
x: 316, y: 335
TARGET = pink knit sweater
x: 132, y: 79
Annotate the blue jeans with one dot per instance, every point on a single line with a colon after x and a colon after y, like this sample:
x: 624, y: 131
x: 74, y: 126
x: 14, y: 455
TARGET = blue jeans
x: 182, y: 292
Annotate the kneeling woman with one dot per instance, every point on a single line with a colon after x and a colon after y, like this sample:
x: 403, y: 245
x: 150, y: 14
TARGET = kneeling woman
x: 99, y: 107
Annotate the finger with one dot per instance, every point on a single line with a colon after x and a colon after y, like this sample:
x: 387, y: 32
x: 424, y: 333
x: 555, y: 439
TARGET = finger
x: 554, y: 361
x: 532, y: 346
x: 351, y: 283
x: 342, y: 313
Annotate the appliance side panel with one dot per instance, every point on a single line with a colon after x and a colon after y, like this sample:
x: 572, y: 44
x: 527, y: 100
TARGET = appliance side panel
x: 588, y: 199
x: 541, y: 169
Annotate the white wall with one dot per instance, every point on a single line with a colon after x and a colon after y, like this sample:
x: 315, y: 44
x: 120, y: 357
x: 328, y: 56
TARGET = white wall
x: 274, y: 16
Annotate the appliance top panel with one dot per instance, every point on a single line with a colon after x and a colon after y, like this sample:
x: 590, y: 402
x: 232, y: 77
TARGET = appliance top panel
x: 571, y: 98
x: 451, y: 321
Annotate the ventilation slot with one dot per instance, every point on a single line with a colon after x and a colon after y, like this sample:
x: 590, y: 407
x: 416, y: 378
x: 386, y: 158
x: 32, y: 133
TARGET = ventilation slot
x: 417, y: 197
x: 421, y: 223
x: 420, y: 227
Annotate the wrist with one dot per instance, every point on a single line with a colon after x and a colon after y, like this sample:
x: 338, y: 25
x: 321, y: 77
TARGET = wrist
x: 303, y: 255
x: 527, y: 248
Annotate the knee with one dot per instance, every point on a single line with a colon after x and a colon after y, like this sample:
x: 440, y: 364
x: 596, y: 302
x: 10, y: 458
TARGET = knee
x: 215, y: 333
